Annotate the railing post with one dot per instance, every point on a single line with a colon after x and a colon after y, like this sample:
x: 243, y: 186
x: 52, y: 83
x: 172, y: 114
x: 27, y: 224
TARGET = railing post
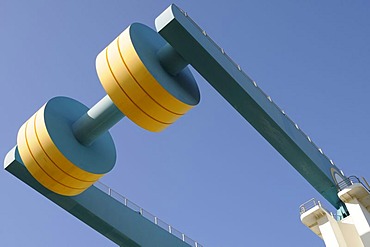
x: 109, y: 191
x: 367, y: 184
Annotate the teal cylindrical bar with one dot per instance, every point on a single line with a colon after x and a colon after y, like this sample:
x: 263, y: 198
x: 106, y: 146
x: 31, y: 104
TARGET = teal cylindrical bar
x: 170, y: 60
x: 96, y: 121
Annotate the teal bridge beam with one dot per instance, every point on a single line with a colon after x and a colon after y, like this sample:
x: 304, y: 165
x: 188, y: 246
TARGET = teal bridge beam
x: 116, y: 221
x: 195, y: 46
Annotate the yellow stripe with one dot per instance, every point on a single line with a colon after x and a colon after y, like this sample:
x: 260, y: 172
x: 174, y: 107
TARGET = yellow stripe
x: 52, y: 151
x: 138, y: 95
x: 146, y: 79
x: 33, y: 167
x: 121, y: 99
x: 46, y: 162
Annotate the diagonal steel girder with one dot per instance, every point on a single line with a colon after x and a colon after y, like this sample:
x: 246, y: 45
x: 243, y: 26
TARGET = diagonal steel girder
x: 195, y: 47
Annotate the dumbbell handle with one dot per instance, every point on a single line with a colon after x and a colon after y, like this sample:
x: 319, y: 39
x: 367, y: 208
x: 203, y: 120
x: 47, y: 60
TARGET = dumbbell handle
x: 104, y: 114
x: 96, y: 121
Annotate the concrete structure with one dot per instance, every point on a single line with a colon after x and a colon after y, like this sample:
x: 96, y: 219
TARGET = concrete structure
x: 351, y: 231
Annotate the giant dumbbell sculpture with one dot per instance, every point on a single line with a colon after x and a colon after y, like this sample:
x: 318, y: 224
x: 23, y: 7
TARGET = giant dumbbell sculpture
x: 67, y: 147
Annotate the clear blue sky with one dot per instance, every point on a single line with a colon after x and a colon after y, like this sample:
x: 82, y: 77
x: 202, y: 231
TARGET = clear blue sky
x: 210, y: 175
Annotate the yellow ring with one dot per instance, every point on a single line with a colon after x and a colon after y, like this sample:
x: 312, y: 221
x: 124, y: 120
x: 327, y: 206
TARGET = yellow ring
x: 146, y: 79
x: 138, y: 95
x: 33, y: 167
x: 46, y: 162
x: 52, y: 151
x: 121, y: 99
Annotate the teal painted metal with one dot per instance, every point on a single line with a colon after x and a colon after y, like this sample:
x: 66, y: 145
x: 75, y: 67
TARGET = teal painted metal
x: 170, y: 60
x: 59, y: 114
x: 100, y: 211
x: 96, y: 121
x: 194, y: 46
x: 148, y: 44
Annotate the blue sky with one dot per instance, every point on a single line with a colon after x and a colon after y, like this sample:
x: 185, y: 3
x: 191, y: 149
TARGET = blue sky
x: 210, y: 175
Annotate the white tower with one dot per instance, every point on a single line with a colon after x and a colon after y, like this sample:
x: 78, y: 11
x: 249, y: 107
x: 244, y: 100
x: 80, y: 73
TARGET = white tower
x: 351, y: 231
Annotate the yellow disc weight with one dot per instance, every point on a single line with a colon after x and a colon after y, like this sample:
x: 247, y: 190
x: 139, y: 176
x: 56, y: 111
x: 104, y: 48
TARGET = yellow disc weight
x: 142, y: 98
x: 54, y: 157
x: 36, y: 170
x: 122, y: 100
x: 61, y: 170
x: 130, y: 66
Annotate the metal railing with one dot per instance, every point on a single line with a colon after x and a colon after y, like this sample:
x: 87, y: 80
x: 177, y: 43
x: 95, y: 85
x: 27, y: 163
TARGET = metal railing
x: 146, y: 214
x: 312, y: 203
x: 309, y: 205
x: 350, y: 181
